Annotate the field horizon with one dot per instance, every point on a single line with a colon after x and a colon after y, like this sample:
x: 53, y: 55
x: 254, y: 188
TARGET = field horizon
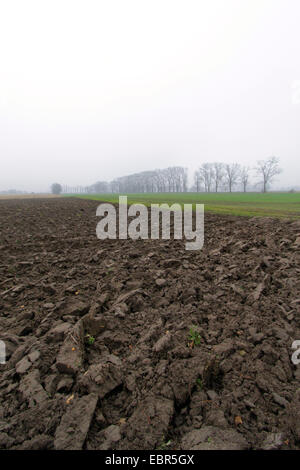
x: 272, y: 204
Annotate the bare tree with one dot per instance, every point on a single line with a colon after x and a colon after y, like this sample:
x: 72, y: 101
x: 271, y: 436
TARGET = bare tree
x: 197, y: 180
x: 184, y: 179
x: 268, y: 169
x: 169, y: 174
x: 206, y: 175
x: 244, y: 177
x: 161, y: 182
x: 218, y: 175
x: 232, y: 174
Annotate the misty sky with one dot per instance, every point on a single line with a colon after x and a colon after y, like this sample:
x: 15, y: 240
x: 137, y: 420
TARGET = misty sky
x: 92, y: 90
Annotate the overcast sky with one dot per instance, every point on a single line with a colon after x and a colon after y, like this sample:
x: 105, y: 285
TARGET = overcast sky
x: 92, y: 90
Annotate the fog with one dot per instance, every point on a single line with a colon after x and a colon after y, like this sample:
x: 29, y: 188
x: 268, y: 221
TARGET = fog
x: 93, y: 90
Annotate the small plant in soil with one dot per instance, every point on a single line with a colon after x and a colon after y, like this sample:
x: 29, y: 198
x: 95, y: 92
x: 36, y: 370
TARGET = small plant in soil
x: 164, y: 445
x: 199, y: 383
x: 194, y: 338
x: 89, y: 339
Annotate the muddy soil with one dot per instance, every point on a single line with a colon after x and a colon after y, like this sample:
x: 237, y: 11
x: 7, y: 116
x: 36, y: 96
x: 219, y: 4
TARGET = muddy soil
x: 100, y: 352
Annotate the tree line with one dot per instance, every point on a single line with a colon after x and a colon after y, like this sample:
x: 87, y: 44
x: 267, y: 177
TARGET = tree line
x: 209, y: 178
x: 215, y: 177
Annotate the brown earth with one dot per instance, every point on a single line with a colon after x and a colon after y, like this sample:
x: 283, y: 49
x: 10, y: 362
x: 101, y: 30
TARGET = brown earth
x: 139, y: 381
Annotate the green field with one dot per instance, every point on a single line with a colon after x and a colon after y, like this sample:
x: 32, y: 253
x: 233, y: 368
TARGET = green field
x: 246, y: 204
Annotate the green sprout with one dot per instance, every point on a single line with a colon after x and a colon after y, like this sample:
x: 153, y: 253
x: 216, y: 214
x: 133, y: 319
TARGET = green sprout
x: 164, y: 445
x: 194, y: 338
x: 199, y: 383
x: 90, y: 339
